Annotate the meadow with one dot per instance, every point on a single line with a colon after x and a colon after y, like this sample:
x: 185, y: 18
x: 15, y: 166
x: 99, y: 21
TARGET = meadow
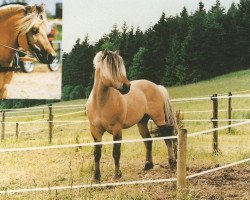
x: 73, y: 166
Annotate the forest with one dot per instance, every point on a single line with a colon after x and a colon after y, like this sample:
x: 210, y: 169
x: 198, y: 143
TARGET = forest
x: 177, y: 50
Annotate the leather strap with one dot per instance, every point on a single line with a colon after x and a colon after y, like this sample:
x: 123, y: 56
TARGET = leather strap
x: 8, y: 69
x: 14, y: 66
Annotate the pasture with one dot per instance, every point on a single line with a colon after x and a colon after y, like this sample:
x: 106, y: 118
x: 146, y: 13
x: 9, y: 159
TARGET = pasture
x: 74, y: 166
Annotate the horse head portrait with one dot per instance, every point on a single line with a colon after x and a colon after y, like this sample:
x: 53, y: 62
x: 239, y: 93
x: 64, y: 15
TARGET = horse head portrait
x: 112, y: 70
x: 22, y: 27
x: 33, y: 34
x: 115, y: 103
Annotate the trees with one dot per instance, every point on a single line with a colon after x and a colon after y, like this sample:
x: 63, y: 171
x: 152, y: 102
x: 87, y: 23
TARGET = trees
x: 77, y: 68
x: 185, y: 48
x: 175, y: 50
x: 140, y: 68
x: 243, y: 42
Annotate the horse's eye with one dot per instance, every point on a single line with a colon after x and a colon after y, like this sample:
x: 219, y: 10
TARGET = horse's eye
x: 35, y: 31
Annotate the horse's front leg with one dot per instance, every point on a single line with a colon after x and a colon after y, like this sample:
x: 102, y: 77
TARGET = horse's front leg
x: 3, y: 93
x: 4, y: 84
x: 97, y: 135
x: 117, y: 136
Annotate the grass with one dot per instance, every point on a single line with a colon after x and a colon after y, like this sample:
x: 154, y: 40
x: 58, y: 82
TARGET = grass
x: 63, y: 167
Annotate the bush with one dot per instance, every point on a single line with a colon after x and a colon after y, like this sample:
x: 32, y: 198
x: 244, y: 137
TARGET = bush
x: 77, y: 93
x: 67, y: 89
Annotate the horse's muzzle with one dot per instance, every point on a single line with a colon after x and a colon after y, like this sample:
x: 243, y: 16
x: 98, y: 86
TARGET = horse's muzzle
x: 50, y: 58
x: 124, y: 89
x: 45, y: 58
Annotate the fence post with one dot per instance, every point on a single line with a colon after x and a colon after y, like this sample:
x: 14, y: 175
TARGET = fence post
x: 50, y: 123
x: 17, y: 130
x: 181, y: 164
x: 229, y: 111
x: 215, y: 123
x: 3, y: 126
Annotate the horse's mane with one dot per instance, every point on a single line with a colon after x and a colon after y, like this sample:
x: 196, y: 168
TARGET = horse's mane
x: 114, y: 62
x: 28, y: 20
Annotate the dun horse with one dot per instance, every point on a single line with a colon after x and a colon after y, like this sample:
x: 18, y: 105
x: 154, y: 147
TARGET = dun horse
x: 115, y: 104
x: 22, y: 26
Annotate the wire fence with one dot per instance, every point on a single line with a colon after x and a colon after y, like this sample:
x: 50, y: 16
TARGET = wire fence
x: 70, y: 122
x: 124, y: 183
x: 50, y: 117
x: 44, y: 189
x: 36, y: 148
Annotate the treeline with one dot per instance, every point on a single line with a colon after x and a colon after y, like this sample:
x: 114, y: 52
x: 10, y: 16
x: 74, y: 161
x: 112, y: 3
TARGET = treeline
x: 180, y: 49
x: 177, y: 50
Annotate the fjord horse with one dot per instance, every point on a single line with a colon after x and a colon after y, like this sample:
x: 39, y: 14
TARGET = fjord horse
x: 115, y: 104
x: 22, y: 26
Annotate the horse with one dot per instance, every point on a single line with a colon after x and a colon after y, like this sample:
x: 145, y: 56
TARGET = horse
x: 115, y: 103
x: 22, y: 26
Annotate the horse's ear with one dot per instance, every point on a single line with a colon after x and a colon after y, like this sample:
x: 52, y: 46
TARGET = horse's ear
x: 30, y: 9
x: 40, y: 9
x: 105, y: 52
x: 117, y: 52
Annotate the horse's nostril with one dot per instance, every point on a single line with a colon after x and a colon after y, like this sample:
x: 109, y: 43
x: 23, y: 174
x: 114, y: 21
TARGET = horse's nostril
x: 125, y: 88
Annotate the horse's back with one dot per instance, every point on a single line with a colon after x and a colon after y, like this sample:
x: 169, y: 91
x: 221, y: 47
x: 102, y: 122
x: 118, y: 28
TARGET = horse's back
x: 154, y: 99
x: 149, y: 89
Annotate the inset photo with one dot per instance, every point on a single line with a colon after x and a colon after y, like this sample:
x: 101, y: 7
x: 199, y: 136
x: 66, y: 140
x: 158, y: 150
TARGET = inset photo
x: 30, y: 49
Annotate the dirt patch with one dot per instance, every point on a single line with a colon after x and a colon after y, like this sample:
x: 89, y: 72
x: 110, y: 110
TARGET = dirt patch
x: 228, y: 184
x: 39, y: 84
x: 231, y: 183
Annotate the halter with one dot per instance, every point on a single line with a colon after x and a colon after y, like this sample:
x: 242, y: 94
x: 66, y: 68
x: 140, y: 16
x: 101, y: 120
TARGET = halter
x: 32, y: 48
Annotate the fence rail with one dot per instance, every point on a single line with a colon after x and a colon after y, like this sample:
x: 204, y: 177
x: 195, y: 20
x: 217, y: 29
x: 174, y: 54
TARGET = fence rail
x: 51, y: 108
x: 71, y: 187
x: 180, y: 176
x: 182, y: 138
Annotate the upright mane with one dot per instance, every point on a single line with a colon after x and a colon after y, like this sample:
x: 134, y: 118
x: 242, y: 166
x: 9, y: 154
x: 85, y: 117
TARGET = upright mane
x: 113, y: 65
x: 32, y: 15
x: 17, y: 3
x: 10, y: 8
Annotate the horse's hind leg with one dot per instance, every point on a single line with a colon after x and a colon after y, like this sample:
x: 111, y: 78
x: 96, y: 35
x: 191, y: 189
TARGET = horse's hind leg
x: 143, y: 129
x: 167, y: 130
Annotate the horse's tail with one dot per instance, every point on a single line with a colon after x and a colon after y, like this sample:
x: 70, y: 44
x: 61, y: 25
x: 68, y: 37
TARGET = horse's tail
x: 169, y: 111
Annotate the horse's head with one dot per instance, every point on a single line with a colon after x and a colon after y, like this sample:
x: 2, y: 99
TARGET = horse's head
x: 112, y: 70
x: 33, y: 34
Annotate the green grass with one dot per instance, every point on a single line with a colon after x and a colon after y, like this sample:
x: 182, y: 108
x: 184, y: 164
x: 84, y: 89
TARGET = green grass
x: 75, y: 165
x: 232, y: 82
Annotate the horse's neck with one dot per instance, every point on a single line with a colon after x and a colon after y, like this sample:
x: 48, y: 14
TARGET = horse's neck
x: 7, y: 55
x: 101, y: 93
x: 8, y: 33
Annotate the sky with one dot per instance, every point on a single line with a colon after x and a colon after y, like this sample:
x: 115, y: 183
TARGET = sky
x: 96, y: 17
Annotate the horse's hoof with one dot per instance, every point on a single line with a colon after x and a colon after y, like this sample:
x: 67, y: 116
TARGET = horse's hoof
x: 94, y: 180
x: 148, y: 165
x: 117, y: 175
x: 172, y: 164
x: 97, y: 177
